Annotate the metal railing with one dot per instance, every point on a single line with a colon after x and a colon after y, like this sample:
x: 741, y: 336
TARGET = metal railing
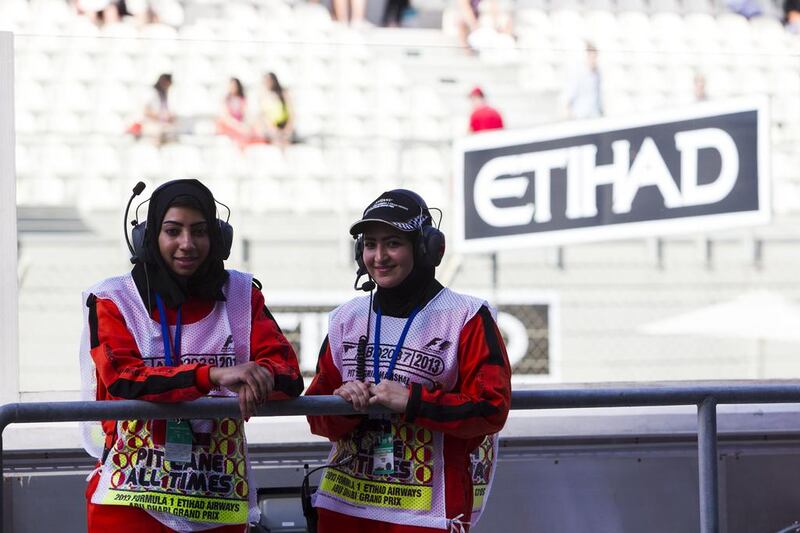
x: 705, y: 396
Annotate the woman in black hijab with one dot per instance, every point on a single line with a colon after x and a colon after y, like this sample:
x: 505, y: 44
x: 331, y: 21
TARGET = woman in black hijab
x: 177, y: 328
x: 435, y: 359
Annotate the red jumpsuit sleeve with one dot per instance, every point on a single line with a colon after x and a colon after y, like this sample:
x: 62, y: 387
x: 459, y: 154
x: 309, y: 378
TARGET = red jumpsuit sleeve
x: 479, y: 403
x: 121, y: 372
x: 327, y: 380
x: 270, y: 349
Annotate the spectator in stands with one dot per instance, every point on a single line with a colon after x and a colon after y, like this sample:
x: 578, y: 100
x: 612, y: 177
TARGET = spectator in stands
x: 101, y: 12
x: 700, y: 94
x: 351, y: 12
x: 484, y: 117
x: 232, y: 120
x: 583, y: 95
x: 791, y: 15
x: 434, y: 452
x: 745, y: 8
x: 275, y: 123
x: 159, y: 122
x: 216, y: 338
x: 484, y: 24
x: 393, y: 12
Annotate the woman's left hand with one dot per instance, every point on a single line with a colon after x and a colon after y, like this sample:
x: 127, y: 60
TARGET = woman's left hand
x: 391, y: 394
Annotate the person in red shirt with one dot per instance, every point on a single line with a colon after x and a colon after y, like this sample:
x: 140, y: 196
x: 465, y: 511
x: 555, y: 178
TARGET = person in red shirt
x: 180, y: 327
x: 435, y: 359
x: 484, y: 117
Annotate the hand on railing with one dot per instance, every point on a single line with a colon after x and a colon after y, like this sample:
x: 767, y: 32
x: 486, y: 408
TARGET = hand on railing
x: 250, y: 381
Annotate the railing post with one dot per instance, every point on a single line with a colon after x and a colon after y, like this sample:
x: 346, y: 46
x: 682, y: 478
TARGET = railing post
x: 707, y: 465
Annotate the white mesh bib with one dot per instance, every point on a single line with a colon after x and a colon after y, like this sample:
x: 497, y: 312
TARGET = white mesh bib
x: 213, y: 488
x: 415, y: 493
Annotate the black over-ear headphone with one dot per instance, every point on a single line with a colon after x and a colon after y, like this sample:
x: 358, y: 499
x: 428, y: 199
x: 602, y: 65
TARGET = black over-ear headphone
x: 138, y: 248
x: 430, y: 245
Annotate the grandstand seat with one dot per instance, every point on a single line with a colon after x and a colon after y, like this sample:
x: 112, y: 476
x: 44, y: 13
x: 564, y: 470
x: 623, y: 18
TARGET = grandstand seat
x: 665, y: 6
x: 14, y: 15
x: 429, y: 128
x: 183, y: 160
x: 30, y: 96
x: 261, y: 194
x: 424, y: 163
x: 118, y: 66
x: 313, y: 16
x: 306, y: 160
x: 60, y: 160
x: 26, y: 122
x: 265, y: 161
x: 71, y: 96
x: 698, y: 6
x: 64, y: 122
x: 23, y: 160
x: 41, y: 191
x: 35, y: 66
x: 142, y: 160
x: 225, y: 160
x: 100, y: 160
x: 95, y: 193
x: 388, y: 128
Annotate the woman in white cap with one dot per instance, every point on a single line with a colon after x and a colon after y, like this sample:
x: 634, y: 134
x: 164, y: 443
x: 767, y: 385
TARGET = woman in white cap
x: 435, y: 359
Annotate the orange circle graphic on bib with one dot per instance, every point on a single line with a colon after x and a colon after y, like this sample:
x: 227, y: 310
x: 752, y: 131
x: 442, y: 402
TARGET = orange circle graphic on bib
x: 423, y: 474
x: 423, y: 454
x: 120, y: 460
x: 117, y: 478
x: 402, y: 431
x: 228, y: 427
x: 408, y: 453
x: 135, y: 442
x: 226, y: 446
x: 424, y: 436
x: 241, y: 488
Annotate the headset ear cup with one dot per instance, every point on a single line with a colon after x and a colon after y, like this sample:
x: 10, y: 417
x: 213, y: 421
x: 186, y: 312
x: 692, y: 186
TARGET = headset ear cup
x: 358, y: 255
x: 226, y: 231
x: 430, y: 247
x: 137, y: 240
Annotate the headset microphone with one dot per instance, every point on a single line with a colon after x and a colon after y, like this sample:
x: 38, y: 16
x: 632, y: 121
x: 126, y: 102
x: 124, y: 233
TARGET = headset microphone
x: 137, y: 190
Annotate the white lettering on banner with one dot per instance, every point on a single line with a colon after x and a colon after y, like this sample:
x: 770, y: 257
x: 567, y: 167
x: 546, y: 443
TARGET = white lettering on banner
x: 647, y: 169
x: 689, y: 143
x: 504, y: 178
x: 516, y: 335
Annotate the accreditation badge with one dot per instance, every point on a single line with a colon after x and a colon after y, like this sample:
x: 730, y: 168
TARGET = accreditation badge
x: 383, y: 455
x: 178, y: 441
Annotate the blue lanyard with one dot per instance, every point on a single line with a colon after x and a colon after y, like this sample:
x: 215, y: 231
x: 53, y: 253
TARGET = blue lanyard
x: 376, y: 352
x: 162, y: 317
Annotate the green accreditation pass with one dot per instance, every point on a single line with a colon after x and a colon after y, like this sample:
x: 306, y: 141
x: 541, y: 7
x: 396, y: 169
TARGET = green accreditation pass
x: 383, y: 455
x: 178, y: 446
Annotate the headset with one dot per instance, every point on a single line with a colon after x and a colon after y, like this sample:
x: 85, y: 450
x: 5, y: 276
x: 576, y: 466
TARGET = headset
x: 137, y: 247
x: 430, y: 245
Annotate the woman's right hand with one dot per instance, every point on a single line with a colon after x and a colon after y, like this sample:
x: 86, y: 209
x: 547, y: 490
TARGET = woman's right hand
x: 355, y: 392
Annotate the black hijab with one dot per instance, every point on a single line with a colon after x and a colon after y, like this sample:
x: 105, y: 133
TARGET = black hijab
x: 419, y: 287
x: 153, y: 273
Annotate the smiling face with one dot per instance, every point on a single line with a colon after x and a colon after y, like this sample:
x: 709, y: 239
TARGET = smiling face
x: 388, y: 254
x: 183, y: 240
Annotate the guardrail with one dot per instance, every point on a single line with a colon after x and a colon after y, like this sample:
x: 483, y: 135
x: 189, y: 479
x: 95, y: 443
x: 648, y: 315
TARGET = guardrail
x: 706, y: 397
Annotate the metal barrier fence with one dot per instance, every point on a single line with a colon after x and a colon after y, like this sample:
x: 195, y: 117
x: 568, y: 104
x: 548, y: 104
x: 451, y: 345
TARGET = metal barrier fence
x: 705, y: 396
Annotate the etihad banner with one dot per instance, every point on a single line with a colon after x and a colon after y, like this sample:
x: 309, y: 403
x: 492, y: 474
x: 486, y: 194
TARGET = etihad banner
x: 528, y: 322
x: 694, y: 169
